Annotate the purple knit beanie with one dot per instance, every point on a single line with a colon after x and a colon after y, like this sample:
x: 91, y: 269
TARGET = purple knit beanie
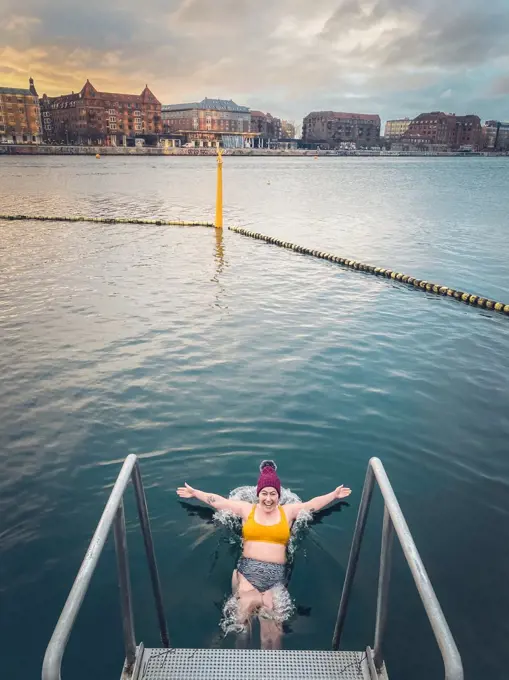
x: 268, y: 477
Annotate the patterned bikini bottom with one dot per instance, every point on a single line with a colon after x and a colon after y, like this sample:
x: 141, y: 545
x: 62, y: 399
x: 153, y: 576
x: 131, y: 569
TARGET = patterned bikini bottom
x: 262, y: 575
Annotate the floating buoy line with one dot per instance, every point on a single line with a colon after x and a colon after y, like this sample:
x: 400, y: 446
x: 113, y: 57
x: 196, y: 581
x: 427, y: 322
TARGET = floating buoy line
x: 427, y: 286
x: 105, y: 220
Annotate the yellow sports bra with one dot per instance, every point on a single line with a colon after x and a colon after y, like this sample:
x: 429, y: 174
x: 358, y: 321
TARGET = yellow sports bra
x: 274, y: 533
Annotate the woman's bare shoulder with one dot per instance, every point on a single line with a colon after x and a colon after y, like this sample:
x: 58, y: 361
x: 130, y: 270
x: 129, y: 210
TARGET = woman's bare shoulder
x: 291, y: 510
x: 244, y: 509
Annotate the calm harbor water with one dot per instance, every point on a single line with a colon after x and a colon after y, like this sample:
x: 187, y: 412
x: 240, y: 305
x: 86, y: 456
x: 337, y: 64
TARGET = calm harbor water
x: 204, y: 353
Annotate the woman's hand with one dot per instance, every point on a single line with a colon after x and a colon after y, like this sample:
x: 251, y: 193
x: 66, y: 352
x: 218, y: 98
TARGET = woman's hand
x: 342, y: 492
x: 186, y: 491
x: 318, y: 503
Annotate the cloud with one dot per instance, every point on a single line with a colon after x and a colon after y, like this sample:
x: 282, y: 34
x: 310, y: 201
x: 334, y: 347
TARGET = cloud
x: 19, y: 22
x: 500, y: 87
x: 393, y: 57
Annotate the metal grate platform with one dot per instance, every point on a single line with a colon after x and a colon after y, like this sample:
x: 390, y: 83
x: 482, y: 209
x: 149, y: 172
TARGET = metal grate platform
x: 247, y: 664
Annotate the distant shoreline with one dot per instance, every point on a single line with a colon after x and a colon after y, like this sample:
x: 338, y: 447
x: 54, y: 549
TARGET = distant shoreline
x: 43, y: 150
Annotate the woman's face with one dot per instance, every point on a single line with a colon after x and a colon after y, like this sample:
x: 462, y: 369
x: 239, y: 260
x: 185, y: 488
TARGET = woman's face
x: 268, y: 497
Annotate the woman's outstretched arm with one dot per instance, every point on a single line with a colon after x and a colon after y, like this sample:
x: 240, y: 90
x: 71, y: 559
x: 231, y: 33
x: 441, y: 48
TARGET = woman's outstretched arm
x: 317, y: 503
x: 241, y: 508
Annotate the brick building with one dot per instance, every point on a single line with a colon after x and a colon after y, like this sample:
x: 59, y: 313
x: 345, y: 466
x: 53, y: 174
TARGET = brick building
x: 210, y: 122
x: 266, y: 127
x: 431, y: 129
x: 468, y: 132
x: 331, y: 129
x: 259, y: 123
x: 446, y: 130
x: 20, y: 120
x: 395, y: 129
x: 93, y: 117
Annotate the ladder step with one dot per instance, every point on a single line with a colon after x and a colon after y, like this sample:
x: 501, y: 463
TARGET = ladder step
x: 252, y: 664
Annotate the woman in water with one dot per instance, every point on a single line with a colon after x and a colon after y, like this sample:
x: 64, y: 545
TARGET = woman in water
x: 266, y: 533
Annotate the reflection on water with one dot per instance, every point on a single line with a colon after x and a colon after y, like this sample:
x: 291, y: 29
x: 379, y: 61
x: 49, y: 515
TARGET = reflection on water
x: 219, y: 253
x: 203, y: 352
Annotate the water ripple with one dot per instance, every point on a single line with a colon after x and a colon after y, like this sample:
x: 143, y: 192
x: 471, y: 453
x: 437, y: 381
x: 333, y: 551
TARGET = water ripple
x: 205, y: 352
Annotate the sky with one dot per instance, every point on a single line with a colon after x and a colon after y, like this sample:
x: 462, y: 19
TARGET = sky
x: 396, y: 58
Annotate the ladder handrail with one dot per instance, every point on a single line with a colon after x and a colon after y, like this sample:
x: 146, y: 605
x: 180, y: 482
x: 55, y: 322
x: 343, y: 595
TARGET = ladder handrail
x: 394, y: 521
x: 113, y: 515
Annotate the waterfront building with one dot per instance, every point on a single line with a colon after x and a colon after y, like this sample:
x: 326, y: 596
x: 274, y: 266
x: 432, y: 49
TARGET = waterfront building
x: 489, y: 135
x: 93, y: 117
x: 502, y: 143
x: 211, y: 122
x: 495, y: 136
x: 268, y: 129
x: 20, y: 120
x: 330, y: 129
x: 436, y: 129
x: 258, y: 123
x: 468, y: 132
x: 395, y: 129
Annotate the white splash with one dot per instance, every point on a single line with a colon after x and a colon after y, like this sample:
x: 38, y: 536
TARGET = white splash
x: 283, y: 606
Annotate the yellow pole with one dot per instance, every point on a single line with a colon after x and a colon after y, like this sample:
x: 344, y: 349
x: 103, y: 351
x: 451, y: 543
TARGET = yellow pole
x: 219, y: 193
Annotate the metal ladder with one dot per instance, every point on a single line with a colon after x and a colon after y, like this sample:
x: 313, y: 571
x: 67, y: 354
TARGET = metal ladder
x: 167, y: 663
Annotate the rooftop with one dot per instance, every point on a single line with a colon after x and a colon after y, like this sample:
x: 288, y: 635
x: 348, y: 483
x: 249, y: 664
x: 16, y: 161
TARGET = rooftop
x: 340, y: 115
x: 15, y: 90
x: 88, y: 90
x: 213, y: 104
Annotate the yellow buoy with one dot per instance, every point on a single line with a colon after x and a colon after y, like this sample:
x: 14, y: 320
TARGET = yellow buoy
x: 219, y: 190
x: 98, y: 155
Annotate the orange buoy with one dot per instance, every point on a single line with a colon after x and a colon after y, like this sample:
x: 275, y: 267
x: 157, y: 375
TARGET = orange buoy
x: 98, y: 155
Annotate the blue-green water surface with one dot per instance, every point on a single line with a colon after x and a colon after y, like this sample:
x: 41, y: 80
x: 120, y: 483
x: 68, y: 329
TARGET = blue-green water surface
x: 205, y: 352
